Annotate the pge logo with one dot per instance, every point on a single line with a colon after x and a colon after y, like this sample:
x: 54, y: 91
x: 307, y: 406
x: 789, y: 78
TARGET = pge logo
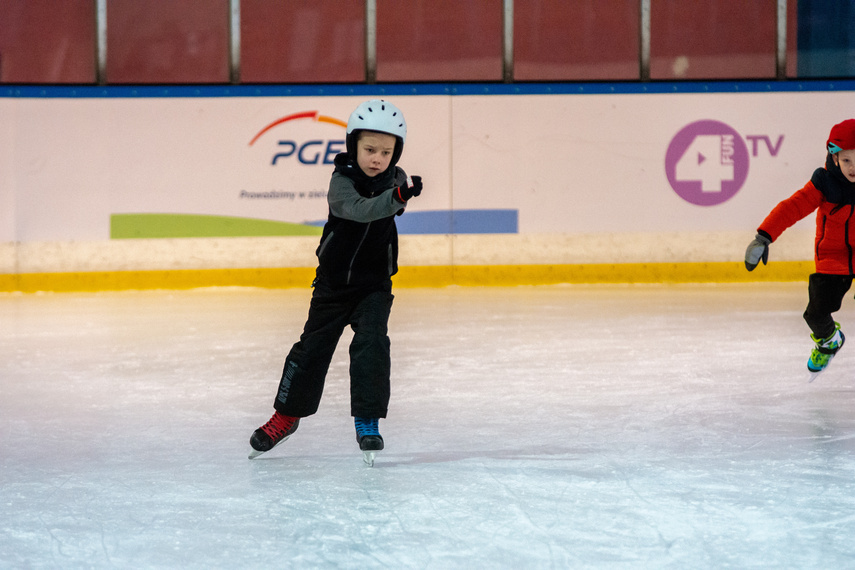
x: 707, y: 163
x: 311, y: 151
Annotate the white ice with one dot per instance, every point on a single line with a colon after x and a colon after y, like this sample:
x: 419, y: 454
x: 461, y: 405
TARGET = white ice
x: 635, y: 426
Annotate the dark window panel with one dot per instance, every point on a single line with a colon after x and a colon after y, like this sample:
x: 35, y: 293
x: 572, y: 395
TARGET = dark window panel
x: 826, y: 38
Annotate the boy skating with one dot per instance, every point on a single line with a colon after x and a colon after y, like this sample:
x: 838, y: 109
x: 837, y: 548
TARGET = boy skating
x: 357, y: 256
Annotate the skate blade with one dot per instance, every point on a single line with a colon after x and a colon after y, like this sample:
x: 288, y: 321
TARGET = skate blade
x: 255, y: 453
x: 813, y: 374
x: 368, y: 457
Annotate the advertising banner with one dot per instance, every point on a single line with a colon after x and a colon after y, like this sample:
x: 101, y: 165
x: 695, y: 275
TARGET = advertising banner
x: 553, y: 178
x: 96, y: 169
x: 639, y: 163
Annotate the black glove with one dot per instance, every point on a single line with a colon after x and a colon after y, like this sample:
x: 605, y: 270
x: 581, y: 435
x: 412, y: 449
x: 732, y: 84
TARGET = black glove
x: 758, y: 249
x: 412, y: 187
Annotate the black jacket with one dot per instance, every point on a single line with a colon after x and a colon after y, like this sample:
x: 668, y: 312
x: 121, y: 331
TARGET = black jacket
x: 359, y: 244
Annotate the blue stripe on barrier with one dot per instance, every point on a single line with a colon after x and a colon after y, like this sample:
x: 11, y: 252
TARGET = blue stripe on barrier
x: 455, y: 222
x: 393, y: 89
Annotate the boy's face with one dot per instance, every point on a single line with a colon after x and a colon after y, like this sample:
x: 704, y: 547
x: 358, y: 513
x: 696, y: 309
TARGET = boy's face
x: 845, y: 159
x: 374, y: 152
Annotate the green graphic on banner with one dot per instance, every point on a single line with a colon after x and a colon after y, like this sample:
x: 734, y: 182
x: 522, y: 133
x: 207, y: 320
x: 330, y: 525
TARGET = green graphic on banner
x: 134, y: 226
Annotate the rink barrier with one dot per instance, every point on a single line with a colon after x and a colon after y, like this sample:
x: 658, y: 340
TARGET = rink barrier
x: 412, y: 276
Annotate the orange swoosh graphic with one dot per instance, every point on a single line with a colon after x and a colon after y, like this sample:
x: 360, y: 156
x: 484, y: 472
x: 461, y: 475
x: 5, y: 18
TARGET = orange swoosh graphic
x: 304, y: 115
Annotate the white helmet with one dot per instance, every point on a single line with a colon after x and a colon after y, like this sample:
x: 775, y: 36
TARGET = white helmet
x: 379, y: 116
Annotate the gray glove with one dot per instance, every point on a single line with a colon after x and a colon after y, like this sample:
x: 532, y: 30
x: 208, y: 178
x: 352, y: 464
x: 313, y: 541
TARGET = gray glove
x: 758, y: 249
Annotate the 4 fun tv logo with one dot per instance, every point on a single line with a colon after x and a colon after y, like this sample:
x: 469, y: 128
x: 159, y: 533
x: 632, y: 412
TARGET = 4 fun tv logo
x: 707, y: 161
x: 302, y: 145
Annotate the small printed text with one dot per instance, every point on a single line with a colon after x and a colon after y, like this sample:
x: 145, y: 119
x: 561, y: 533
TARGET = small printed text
x: 282, y: 195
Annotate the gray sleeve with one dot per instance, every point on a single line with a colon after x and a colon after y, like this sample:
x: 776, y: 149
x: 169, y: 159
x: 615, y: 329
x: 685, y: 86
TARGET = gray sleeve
x: 345, y: 202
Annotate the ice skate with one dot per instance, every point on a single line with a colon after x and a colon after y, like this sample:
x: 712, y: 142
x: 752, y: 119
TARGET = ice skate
x: 271, y: 434
x: 369, y: 438
x: 821, y: 355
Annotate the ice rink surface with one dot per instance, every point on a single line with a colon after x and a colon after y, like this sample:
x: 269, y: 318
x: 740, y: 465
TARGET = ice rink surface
x: 626, y: 426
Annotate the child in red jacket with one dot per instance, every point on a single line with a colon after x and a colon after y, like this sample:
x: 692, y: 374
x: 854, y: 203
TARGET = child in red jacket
x: 831, y: 191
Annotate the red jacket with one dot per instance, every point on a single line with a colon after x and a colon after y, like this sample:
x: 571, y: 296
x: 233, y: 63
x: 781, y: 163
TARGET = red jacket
x: 835, y: 228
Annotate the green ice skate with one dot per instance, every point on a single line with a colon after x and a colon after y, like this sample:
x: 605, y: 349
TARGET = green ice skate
x: 826, y: 348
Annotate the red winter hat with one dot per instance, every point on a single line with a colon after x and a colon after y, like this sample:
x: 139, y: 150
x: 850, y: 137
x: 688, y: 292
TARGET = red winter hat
x: 842, y: 137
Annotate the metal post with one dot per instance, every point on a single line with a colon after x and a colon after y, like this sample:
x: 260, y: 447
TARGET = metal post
x: 781, y: 52
x: 234, y: 42
x: 508, y: 42
x: 644, y: 40
x: 371, y: 41
x: 101, y: 41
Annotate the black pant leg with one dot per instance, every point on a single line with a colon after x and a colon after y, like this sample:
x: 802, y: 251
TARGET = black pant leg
x: 302, y: 383
x: 370, y: 356
x: 825, y: 294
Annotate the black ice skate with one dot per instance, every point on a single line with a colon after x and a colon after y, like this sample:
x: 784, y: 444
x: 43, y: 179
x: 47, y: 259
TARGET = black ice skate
x: 271, y: 434
x: 369, y: 438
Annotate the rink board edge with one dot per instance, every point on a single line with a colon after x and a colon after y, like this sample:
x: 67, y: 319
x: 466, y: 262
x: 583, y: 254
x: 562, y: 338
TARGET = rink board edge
x: 413, y: 276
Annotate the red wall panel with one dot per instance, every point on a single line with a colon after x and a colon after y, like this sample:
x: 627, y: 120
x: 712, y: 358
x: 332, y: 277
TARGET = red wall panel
x: 323, y: 41
x: 302, y: 41
x: 164, y: 41
x: 792, y: 38
x: 44, y: 41
x: 556, y: 40
x: 712, y: 39
x: 439, y: 40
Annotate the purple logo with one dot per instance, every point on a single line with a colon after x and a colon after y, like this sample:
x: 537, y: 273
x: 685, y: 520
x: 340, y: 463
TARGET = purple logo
x: 706, y: 163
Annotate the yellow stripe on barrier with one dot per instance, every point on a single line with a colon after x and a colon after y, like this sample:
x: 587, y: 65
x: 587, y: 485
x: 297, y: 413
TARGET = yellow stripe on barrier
x: 509, y: 275
x: 164, y: 279
x: 414, y: 276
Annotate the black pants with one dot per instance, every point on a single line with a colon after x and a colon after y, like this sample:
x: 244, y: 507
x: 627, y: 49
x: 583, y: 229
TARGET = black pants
x: 825, y: 294
x: 367, y: 313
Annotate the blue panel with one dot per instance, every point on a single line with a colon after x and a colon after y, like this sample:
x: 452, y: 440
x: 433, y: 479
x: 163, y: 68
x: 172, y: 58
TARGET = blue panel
x: 460, y: 222
x: 485, y: 221
x: 436, y: 222
x: 454, y: 222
